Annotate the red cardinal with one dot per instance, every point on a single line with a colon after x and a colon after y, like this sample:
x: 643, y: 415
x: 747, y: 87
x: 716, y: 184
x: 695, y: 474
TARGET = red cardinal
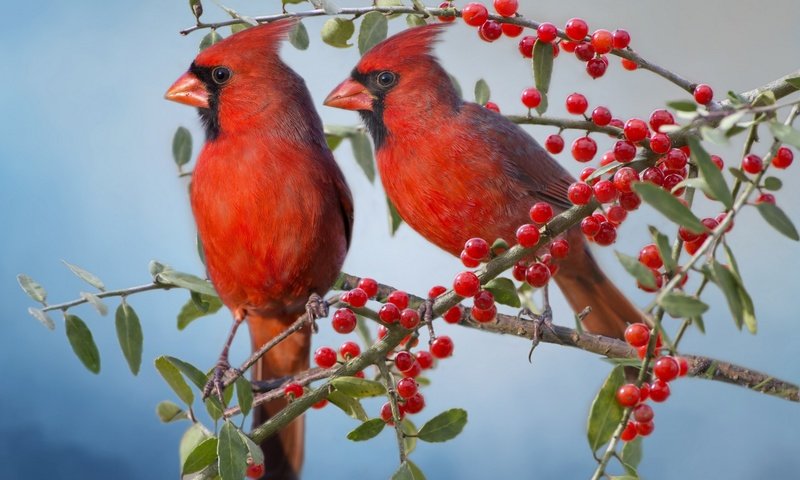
x: 273, y: 211
x: 455, y: 170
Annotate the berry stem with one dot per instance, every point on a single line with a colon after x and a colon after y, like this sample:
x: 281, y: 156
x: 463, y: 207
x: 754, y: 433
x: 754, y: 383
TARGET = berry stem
x: 565, y: 124
x: 391, y: 394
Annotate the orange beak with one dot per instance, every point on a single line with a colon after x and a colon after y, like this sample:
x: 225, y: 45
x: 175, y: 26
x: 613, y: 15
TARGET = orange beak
x: 350, y: 95
x: 189, y: 90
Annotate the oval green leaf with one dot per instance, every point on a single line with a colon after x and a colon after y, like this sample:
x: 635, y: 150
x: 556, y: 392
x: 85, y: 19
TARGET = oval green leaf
x: 169, y: 412
x: 395, y: 220
x: 717, y: 186
x: 43, y: 317
x: 232, y: 453
x: 32, y: 288
x: 244, y: 395
x: 210, y: 39
x: 606, y: 413
x: 95, y: 301
x: 362, y: 151
x: 408, y: 471
x: 129, y: 334
x: 662, y: 244
x: 82, y: 342
x: 86, y: 276
x: 482, y: 92
x: 199, y: 305
x: 367, y: 430
x: 680, y: 305
x: 443, y: 427
x: 298, y: 37
x: 181, y: 147
x: 504, y: 291
x: 778, y: 220
x: 174, y: 379
x: 193, y: 436
x: 337, y: 31
x: 542, y: 71
x: 785, y: 134
x: 186, y: 280
x: 358, y: 387
x: 669, y: 206
x: 348, y: 405
x: 633, y: 266
x: 201, y: 456
x: 373, y: 30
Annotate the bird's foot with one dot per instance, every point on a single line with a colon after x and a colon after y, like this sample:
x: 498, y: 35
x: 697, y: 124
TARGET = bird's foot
x: 540, y: 323
x: 316, y: 308
x: 223, y: 376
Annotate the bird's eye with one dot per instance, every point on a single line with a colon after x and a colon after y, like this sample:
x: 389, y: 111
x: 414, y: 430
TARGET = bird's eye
x: 221, y: 75
x: 385, y: 79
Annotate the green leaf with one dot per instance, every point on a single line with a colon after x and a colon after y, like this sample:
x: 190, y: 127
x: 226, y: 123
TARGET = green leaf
x: 410, y: 435
x: 482, y: 92
x: 641, y: 272
x: 603, y: 170
x: 748, y: 309
x: 298, y: 36
x: 358, y: 387
x: 333, y: 141
x: 238, y: 27
x: 443, y: 427
x: 95, y: 301
x: 778, y: 220
x: 253, y: 450
x: 244, y: 395
x: 680, y: 305
x: 232, y: 453
x: 765, y: 99
x: 773, y: 183
x: 203, y: 455
x: 730, y: 121
x: 606, y: 413
x: 199, y: 305
x: 739, y: 175
x: 213, y: 407
x: 504, y: 291
x: 728, y: 284
x: 193, y: 436
x: 82, y: 342
x: 185, y: 280
x: 87, y: 277
x: 408, y: 471
x: 710, y: 173
x: 337, y: 31
x: 669, y: 206
x: 367, y: 430
x: 394, y: 217
x: 374, y: 27
x: 348, y: 405
x: 794, y: 81
x: 632, y: 454
x: 362, y: 151
x: 210, y: 39
x: 129, y: 334
x: 174, y: 379
x: 43, y: 317
x: 699, y: 323
x: 191, y: 372
x: 169, y: 412
x: 415, y: 20
x: 181, y: 147
x: 714, y: 135
x: 785, y: 134
x: 662, y: 244
x: 542, y: 71
x: 32, y: 288
x: 197, y: 8
x: 683, y: 105
x: 456, y: 85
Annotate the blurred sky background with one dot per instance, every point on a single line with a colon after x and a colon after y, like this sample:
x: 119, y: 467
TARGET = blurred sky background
x: 86, y: 175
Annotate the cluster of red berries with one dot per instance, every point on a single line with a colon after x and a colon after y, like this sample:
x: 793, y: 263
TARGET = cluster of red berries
x: 477, y: 15
x: 665, y: 369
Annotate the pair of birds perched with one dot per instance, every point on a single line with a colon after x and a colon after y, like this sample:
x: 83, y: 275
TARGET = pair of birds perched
x: 275, y: 215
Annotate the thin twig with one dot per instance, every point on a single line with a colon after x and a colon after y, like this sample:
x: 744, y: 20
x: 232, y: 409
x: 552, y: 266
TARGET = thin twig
x: 123, y: 292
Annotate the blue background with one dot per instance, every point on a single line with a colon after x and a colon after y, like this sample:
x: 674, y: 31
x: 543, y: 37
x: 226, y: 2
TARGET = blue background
x: 86, y: 175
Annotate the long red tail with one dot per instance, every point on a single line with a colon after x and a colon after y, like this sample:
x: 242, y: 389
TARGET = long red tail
x: 584, y: 284
x: 283, y: 453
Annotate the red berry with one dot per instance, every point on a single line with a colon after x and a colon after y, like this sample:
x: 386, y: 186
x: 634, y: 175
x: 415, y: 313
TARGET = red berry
x: 382, y: 332
x: 477, y: 248
x: 447, y: 19
x: 650, y: 256
x: 637, y: 335
x: 293, y: 390
x: 518, y: 271
x: 483, y: 300
x: 389, y: 313
x: 606, y: 235
x: 783, y: 158
x: 511, y: 30
x: 321, y: 404
x: 616, y: 214
x: 659, y: 390
x: 628, y: 395
x: 387, y: 415
x: 765, y: 198
x: 474, y: 14
x: 442, y: 347
x: 325, y: 357
x: 579, y: 193
x: 404, y: 361
x: 666, y: 368
x: 602, y: 41
x: 349, y: 350
x: 490, y: 31
x: 643, y: 413
x: 671, y: 181
x: 425, y: 359
x: 629, y: 433
x: 621, y: 38
x: 601, y: 116
x: 624, y: 177
x: 635, y: 130
x: 653, y: 175
x: 644, y: 392
x: 559, y: 248
x: 577, y: 104
x: 596, y: 67
x: 568, y: 46
x: 452, y: 315
x: 590, y: 226
x: 537, y: 275
x: 526, y: 46
x: 541, y: 212
x: 604, y: 191
x: 357, y: 297
x: 703, y: 94
x: 527, y: 235
x: 344, y: 320
x: 531, y: 98
x: 255, y: 470
x: 660, y: 117
x: 369, y: 285
x: 660, y: 143
x: 752, y: 164
x: 717, y: 161
x: 586, y: 173
x: 492, y: 106
x: 554, y: 144
x: 644, y: 429
x: 466, y: 284
x: 576, y: 29
x: 484, y: 315
x: 683, y: 366
x: 675, y: 159
x: 692, y: 247
x: 584, y: 52
x: 399, y: 298
x: 629, y: 65
x: 468, y: 261
x: 409, y: 318
x: 414, y: 404
x: 546, y: 32
x: 629, y: 201
x: 584, y: 149
x: 659, y: 281
x: 435, y: 291
x: 407, y: 387
x: 506, y: 8
x: 624, y: 151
